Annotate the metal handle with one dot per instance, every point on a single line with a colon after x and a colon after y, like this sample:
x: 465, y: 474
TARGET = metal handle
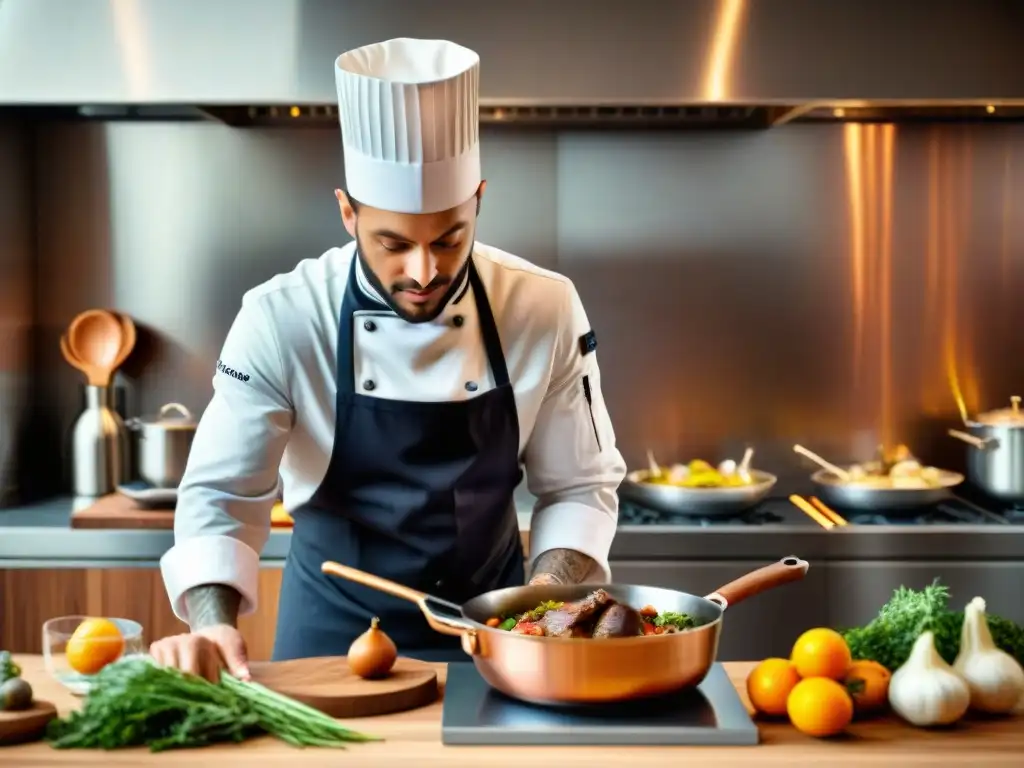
x: 981, y: 443
x: 181, y: 409
x: 442, y: 624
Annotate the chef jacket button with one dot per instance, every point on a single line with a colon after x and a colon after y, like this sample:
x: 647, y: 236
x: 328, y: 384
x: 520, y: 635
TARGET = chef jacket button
x: 471, y: 386
x: 458, y: 320
x: 369, y: 386
x: 370, y: 326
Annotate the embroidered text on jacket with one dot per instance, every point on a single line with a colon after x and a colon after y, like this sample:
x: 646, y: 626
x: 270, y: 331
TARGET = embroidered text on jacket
x: 231, y: 372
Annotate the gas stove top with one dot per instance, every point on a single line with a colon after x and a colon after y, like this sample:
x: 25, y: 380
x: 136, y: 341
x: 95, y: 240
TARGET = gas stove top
x: 768, y: 512
x: 779, y: 511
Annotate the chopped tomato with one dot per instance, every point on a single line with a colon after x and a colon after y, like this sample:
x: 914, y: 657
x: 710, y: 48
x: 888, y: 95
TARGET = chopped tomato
x: 648, y: 628
x: 528, y: 628
x: 649, y: 611
x: 493, y: 621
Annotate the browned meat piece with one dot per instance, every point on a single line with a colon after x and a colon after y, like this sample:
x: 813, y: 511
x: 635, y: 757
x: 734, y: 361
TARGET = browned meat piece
x: 568, y: 620
x: 618, y: 621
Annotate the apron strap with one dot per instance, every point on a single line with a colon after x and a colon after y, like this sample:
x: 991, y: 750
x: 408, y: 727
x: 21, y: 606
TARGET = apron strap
x: 349, y: 304
x: 488, y: 329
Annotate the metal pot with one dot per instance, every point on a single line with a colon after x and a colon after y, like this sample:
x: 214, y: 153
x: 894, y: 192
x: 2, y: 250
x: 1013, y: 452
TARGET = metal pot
x: 995, y: 458
x: 568, y: 671
x: 163, y: 444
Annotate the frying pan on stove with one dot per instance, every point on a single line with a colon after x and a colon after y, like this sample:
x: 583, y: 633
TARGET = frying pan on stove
x: 561, y: 671
x: 865, y: 498
x: 696, y: 502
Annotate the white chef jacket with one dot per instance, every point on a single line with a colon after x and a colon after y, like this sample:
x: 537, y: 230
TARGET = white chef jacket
x: 272, y: 417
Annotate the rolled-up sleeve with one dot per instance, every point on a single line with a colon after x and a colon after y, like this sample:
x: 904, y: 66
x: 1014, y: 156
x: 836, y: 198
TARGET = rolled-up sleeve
x: 222, y: 518
x: 572, y: 464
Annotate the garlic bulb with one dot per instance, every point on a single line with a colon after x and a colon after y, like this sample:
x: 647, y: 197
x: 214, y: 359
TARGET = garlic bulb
x: 926, y: 690
x: 994, y: 677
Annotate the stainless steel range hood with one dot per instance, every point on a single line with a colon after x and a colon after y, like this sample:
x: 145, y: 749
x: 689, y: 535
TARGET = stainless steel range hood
x: 752, y: 62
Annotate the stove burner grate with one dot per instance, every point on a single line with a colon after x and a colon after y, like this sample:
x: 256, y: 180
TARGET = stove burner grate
x: 631, y: 514
x: 956, y: 510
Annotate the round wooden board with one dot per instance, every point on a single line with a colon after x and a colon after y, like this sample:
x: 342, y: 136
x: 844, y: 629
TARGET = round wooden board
x: 327, y: 684
x: 26, y: 725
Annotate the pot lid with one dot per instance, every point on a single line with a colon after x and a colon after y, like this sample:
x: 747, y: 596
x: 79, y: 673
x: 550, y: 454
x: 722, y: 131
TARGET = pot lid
x: 172, y: 416
x: 1004, y: 417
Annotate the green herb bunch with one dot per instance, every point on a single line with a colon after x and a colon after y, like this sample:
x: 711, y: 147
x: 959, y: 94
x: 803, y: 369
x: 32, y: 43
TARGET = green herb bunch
x: 8, y: 669
x: 889, y: 637
x: 135, y: 702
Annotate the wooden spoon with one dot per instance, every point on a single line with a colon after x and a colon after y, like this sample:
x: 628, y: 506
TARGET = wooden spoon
x: 842, y: 474
x: 95, y: 338
x: 129, y: 335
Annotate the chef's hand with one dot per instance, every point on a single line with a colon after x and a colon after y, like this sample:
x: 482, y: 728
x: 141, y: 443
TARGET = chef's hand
x: 205, y: 652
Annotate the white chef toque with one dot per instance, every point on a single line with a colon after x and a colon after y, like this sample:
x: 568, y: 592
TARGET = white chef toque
x: 410, y: 124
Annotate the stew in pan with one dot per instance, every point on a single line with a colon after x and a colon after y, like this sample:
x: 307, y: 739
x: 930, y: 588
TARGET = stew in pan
x: 596, y: 616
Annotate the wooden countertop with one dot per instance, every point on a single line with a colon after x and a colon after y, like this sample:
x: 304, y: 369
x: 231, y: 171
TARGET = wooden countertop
x: 414, y: 739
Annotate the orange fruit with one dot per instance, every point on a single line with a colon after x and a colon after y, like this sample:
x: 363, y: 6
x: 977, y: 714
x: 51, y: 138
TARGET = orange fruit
x: 821, y: 653
x: 868, y: 683
x: 93, y: 645
x: 819, y: 707
x: 769, y: 684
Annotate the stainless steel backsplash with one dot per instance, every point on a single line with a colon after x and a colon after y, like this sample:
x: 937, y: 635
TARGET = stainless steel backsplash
x: 813, y: 283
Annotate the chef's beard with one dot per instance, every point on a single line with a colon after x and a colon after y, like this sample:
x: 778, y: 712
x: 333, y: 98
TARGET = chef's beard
x: 387, y: 294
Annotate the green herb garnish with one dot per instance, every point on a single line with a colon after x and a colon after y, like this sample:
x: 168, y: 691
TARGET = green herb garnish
x: 537, y: 613
x: 889, y: 637
x: 8, y: 669
x: 673, y: 619
x: 509, y: 621
x: 135, y: 702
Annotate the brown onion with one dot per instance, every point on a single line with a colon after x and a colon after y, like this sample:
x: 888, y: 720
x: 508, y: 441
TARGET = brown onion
x: 372, y: 654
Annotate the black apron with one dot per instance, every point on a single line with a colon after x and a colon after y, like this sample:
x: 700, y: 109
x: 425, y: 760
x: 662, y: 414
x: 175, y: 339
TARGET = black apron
x: 416, y: 492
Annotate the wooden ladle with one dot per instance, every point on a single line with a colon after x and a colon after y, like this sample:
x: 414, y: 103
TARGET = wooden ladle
x: 95, y: 338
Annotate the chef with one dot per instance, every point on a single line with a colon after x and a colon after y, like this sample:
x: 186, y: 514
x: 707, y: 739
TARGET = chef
x: 392, y: 389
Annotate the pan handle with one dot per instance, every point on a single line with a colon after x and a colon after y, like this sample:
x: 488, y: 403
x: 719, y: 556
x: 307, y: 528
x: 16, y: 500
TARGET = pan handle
x: 787, y: 570
x: 446, y: 625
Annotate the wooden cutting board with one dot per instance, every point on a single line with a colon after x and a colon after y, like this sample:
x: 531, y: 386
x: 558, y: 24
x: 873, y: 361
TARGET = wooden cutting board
x: 327, y: 684
x: 118, y: 511
x: 27, y: 725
